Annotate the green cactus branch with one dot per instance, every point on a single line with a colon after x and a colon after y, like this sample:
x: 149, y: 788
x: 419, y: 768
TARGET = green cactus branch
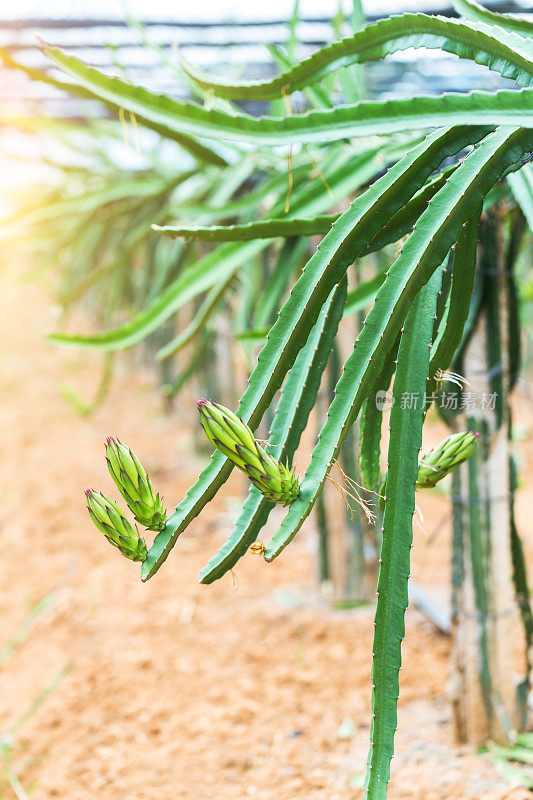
x: 503, y: 107
x: 370, y: 423
x: 378, y: 40
x: 503, y: 23
x: 451, y: 328
x: 404, y: 446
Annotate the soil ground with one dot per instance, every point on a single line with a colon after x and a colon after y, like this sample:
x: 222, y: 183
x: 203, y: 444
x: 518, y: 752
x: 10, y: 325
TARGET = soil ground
x: 176, y: 690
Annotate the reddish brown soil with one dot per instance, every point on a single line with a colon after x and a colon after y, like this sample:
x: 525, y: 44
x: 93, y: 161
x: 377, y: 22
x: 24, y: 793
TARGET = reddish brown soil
x: 179, y: 690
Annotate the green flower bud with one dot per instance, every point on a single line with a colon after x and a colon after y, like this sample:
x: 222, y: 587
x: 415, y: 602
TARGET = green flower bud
x: 134, y: 485
x: 110, y: 520
x: 229, y: 434
x: 444, y: 458
x: 439, y: 462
